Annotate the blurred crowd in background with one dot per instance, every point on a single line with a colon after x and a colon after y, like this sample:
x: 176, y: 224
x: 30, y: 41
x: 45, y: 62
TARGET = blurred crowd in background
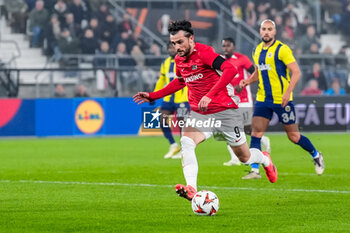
x: 75, y: 27
x: 296, y: 26
x: 87, y: 27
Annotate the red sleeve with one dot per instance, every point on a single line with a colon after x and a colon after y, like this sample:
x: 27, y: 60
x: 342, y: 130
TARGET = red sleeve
x: 246, y: 62
x: 228, y: 73
x: 235, y: 81
x: 207, y: 54
x: 172, y: 87
x: 178, y: 74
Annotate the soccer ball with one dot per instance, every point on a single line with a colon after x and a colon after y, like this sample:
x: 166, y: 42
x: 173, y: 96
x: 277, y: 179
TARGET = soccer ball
x: 205, y: 203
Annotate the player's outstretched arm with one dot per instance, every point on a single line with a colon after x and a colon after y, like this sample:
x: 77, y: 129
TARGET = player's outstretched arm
x: 141, y: 97
x: 252, y: 79
x: 169, y: 89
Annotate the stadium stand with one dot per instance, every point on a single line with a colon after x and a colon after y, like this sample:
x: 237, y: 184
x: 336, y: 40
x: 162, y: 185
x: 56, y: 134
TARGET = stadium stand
x: 126, y: 39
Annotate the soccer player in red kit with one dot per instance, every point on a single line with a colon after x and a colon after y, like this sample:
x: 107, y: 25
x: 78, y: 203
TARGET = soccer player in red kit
x: 244, y: 66
x: 211, y: 99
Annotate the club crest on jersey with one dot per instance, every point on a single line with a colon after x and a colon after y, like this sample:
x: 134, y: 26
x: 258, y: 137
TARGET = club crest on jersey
x: 269, y: 55
x: 194, y: 67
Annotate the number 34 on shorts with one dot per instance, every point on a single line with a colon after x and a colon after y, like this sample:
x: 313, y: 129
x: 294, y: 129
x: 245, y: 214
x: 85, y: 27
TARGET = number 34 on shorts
x: 286, y: 115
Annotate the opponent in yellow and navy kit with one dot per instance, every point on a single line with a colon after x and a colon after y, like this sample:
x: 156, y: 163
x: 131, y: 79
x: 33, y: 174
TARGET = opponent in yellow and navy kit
x: 175, y: 103
x: 272, y: 59
x: 274, y: 80
x: 167, y: 74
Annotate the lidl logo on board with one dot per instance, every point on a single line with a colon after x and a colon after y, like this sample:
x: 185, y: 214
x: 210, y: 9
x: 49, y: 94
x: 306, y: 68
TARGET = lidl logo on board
x: 89, y: 116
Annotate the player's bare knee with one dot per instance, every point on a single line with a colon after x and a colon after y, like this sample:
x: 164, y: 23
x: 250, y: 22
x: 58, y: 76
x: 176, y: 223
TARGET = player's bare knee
x: 293, y: 137
x: 164, y: 117
x: 242, y: 152
x: 243, y: 159
x: 194, y: 134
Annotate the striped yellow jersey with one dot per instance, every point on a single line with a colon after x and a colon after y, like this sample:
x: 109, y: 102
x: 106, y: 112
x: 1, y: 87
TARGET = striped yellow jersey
x: 274, y: 75
x: 167, y: 74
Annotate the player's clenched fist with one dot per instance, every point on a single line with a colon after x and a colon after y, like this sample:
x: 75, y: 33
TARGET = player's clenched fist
x: 243, y: 83
x: 141, y: 97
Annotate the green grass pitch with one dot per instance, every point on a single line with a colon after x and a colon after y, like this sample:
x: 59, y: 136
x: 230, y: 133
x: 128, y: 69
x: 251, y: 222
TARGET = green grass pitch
x: 125, y: 185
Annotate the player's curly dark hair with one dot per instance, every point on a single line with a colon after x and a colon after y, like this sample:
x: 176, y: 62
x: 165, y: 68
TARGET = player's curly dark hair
x: 230, y: 39
x: 179, y: 25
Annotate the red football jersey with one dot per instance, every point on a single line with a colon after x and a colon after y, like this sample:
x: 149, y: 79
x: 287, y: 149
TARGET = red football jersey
x: 200, y: 77
x: 242, y: 63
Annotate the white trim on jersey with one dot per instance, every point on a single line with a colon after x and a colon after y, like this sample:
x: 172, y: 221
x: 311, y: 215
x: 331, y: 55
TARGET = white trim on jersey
x: 250, y: 96
x: 230, y: 89
x: 245, y: 77
x: 245, y: 105
x: 219, y: 72
x: 231, y: 93
x: 178, y: 77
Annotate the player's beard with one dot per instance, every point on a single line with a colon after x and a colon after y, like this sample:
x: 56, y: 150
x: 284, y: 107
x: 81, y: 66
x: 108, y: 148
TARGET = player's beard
x: 267, y: 41
x: 228, y: 55
x: 186, y: 52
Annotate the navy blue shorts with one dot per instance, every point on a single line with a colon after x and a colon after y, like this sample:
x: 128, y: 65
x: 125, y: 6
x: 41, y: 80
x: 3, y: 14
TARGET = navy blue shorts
x: 181, y: 109
x: 285, y: 115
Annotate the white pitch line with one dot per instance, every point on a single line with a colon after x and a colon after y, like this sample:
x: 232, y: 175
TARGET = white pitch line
x: 282, y: 190
x: 171, y: 186
x: 280, y: 173
x: 312, y: 174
